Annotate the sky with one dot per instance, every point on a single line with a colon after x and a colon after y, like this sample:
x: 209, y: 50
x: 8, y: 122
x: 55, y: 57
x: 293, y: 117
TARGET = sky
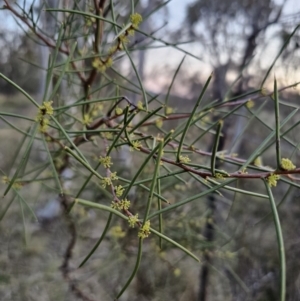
x: 169, y: 56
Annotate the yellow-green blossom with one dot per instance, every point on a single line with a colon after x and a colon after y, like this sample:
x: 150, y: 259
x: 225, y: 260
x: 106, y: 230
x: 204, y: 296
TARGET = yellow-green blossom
x: 159, y: 122
x: 106, y: 161
x: 118, y: 111
x: 5, y: 179
x: 44, y: 124
x: 135, y: 145
x: 144, y: 230
x: 123, y: 39
x: 184, y: 159
x: 136, y: 19
x: 287, y: 164
x: 169, y: 110
x: 177, y: 272
x: 108, y: 135
x: 107, y: 181
x: 121, y: 205
x: 45, y: 109
x: 113, y: 176
x: 109, y: 62
x: 97, y: 109
x: 250, y: 104
x: 99, y: 65
x: 119, y: 190
x: 117, y: 232
x: 258, y: 161
x: 264, y: 91
x: 219, y: 176
x: 140, y: 105
x: 272, y: 180
x: 87, y: 119
x: 132, y: 220
x: 17, y: 184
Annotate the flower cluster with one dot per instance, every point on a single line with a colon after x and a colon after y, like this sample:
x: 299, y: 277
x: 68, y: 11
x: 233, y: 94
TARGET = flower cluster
x: 118, y: 111
x: 107, y: 181
x: 140, y: 105
x: 97, y: 109
x: 287, y: 164
x: 87, y: 119
x: 135, y: 145
x: 44, y: 110
x: 135, y: 20
x: 184, y: 159
x: 16, y: 185
x: 106, y: 161
x: 219, y: 176
x: 144, y: 230
x: 250, y: 104
x: 159, y: 122
x: 121, y: 205
x: 272, y: 180
x: 132, y: 220
x: 101, y: 65
x: 117, y: 232
x: 119, y: 190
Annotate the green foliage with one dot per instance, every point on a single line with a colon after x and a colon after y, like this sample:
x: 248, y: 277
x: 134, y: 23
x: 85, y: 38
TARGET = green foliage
x: 87, y: 118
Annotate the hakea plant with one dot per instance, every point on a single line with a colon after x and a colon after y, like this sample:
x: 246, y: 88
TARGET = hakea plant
x: 112, y: 120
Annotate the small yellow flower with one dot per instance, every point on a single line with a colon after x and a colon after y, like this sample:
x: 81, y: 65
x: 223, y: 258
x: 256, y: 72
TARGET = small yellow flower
x: 177, y: 272
x: 117, y: 232
x: 144, y: 230
x: 219, y: 176
x: 108, y: 135
x: 45, y: 109
x: 140, y: 105
x: 131, y: 31
x: 159, y: 122
x: 44, y: 124
x: 125, y: 204
x: 113, y: 176
x: 287, y: 164
x: 5, y: 180
x: 123, y: 39
x: 136, y: 145
x: 118, y: 111
x: 169, y: 110
x: 121, y: 205
x: 87, y: 119
x: 99, y: 65
x: 132, y: 220
x: 106, y: 161
x: 119, y: 190
x: 98, y: 108
x: 112, y: 50
x: 106, y: 181
x: 17, y: 184
x: 109, y: 62
x: 272, y: 180
x: 250, y: 104
x: 264, y: 91
x: 136, y: 19
x: 184, y: 159
x: 258, y: 162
